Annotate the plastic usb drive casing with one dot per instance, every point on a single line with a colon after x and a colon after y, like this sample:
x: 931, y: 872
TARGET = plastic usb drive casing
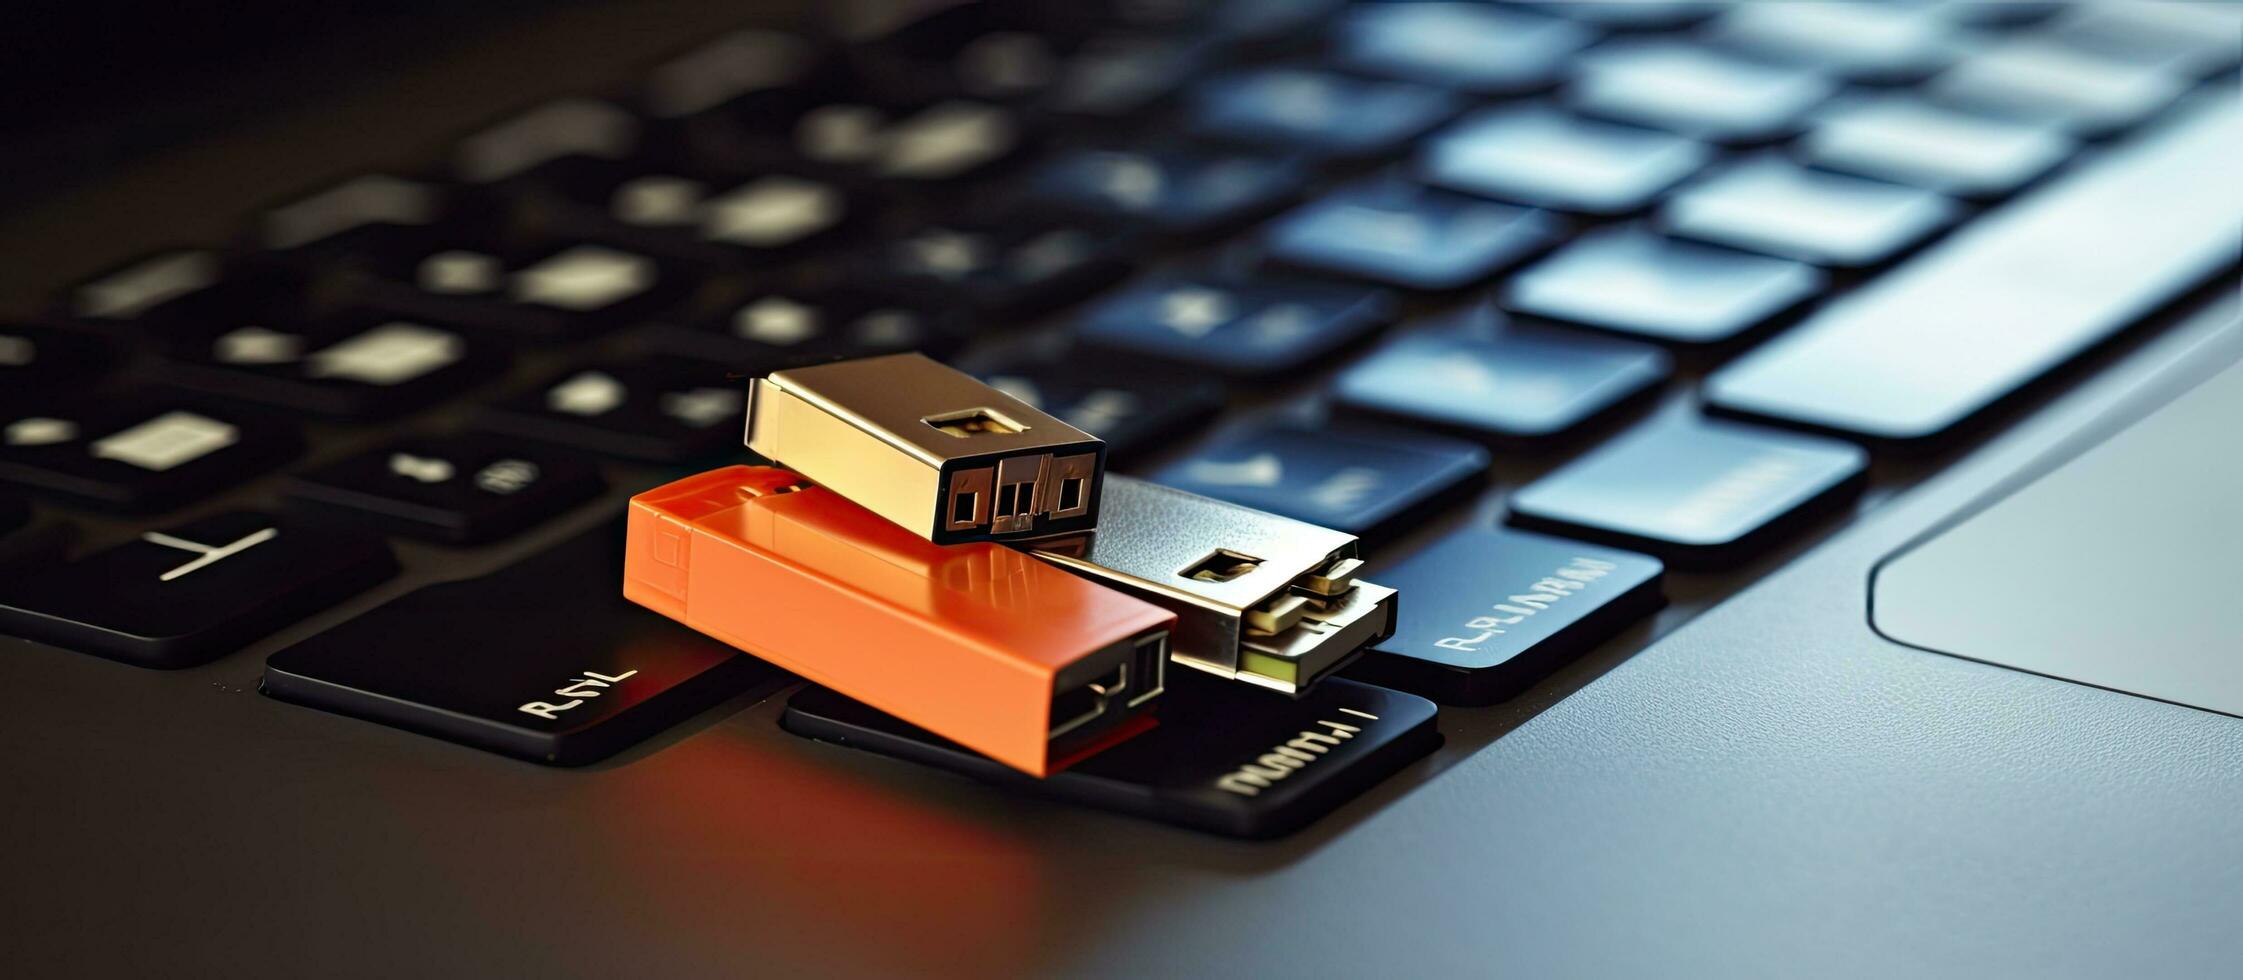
x: 1263, y: 599
x: 978, y: 643
x: 930, y: 448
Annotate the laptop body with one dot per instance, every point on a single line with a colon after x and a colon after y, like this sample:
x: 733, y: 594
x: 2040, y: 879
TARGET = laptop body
x: 1796, y: 767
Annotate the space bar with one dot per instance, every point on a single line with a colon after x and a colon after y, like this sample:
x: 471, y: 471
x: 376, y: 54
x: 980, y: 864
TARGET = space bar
x: 2015, y: 295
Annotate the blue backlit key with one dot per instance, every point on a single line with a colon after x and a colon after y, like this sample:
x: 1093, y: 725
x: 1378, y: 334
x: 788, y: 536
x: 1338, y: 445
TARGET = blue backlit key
x: 1768, y: 204
x: 1693, y: 91
x: 1635, y: 282
x: 1537, y: 155
x: 1864, y: 41
x: 1405, y: 234
x: 1911, y: 141
x: 1370, y: 482
x: 1179, y: 192
x: 1506, y: 384
x: 1315, y: 113
x: 999, y: 269
x: 1243, y: 329
x: 1699, y: 492
x: 1490, y: 612
x: 1476, y: 48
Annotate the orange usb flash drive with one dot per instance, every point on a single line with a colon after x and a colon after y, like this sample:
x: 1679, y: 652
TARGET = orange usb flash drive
x: 978, y: 643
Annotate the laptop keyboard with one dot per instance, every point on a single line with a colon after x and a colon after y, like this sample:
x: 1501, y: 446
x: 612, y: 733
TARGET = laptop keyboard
x: 1181, y: 226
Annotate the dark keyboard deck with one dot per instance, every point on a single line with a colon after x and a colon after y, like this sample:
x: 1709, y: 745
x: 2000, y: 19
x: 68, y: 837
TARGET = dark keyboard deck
x: 1411, y: 271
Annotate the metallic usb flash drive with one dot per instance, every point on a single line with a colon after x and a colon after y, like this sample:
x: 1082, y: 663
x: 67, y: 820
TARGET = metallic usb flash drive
x: 930, y: 448
x: 978, y: 643
x: 1263, y: 599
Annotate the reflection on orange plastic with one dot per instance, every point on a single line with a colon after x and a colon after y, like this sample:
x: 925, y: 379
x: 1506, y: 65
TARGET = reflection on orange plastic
x: 965, y: 641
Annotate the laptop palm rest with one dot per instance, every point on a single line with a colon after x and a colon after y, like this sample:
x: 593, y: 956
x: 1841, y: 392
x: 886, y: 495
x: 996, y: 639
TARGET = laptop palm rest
x: 2122, y: 568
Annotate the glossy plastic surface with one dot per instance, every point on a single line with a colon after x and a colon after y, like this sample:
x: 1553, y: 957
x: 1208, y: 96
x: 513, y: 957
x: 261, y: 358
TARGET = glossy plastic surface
x: 965, y: 640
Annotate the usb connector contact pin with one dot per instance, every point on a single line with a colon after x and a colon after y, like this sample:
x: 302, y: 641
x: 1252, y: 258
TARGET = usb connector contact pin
x: 1260, y: 598
x: 945, y: 456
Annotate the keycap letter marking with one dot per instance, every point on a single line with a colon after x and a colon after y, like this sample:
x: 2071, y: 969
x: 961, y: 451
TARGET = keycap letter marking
x: 210, y: 554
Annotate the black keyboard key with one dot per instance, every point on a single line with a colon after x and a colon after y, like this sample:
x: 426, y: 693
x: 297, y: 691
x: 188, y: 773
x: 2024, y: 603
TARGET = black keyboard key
x: 179, y: 292
x: 2042, y: 81
x: 787, y: 327
x: 1700, y: 493
x: 39, y: 361
x: 1120, y: 76
x: 357, y: 367
x: 459, y: 490
x: 148, y: 289
x: 753, y: 77
x: 1537, y: 155
x: 1903, y: 139
x: 1492, y: 612
x: 1401, y: 233
x: 188, y: 594
x: 2006, y: 299
x: 1184, y: 193
x: 771, y: 218
x: 550, y: 295
x: 1695, y: 91
x: 564, y: 144
x: 374, y: 216
x: 29, y: 543
x: 1223, y: 759
x: 1296, y: 110
x: 654, y: 410
x: 1133, y: 412
x: 952, y: 140
x: 1001, y: 66
x: 1768, y: 204
x: 138, y: 453
x: 1864, y: 41
x: 1001, y: 269
x: 1501, y: 384
x: 544, y: 660
x: 1372, y: 482
x: 1635, y: 282
x: 1243, y: 329
x: 1488, y: 50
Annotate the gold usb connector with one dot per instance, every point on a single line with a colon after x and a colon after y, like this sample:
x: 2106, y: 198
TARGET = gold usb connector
x: 1259, y: 598
x: 929, y: 448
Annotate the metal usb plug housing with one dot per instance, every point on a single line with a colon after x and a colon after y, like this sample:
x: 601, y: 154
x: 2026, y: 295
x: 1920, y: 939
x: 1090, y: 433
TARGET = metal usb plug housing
x: 1258, y: 598
x: 930, y: 448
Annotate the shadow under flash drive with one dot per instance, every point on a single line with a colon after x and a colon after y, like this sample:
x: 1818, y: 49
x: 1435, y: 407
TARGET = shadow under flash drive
x: 985, y: 645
